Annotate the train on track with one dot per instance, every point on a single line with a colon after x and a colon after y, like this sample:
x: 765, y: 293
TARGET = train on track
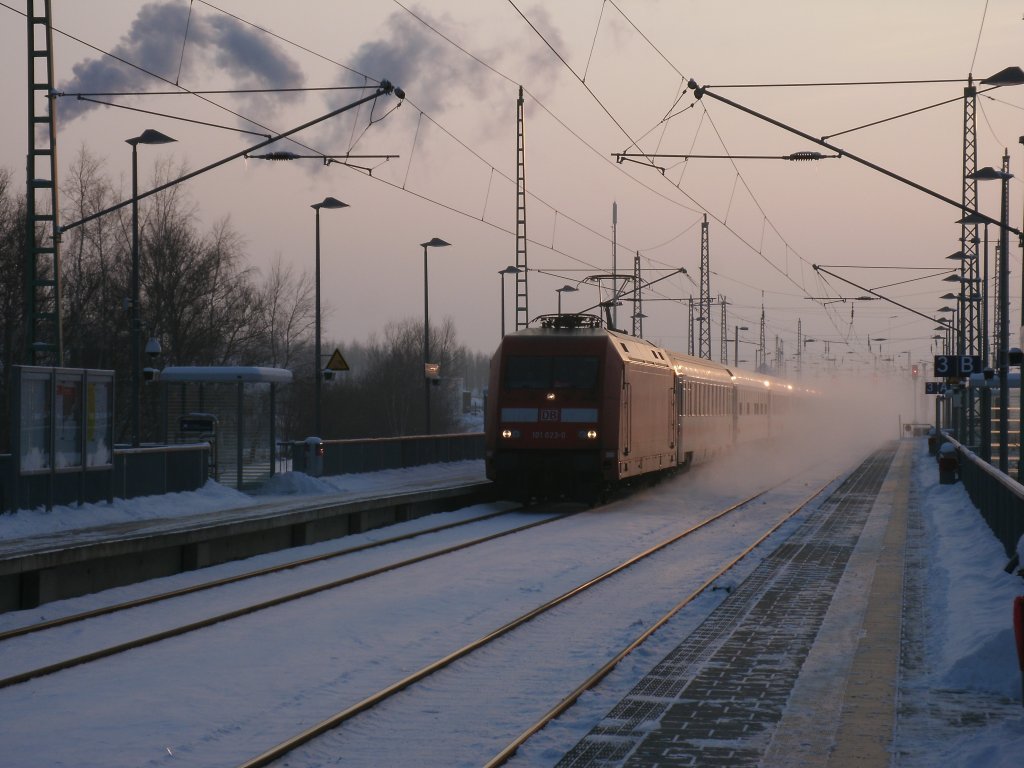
x: 575, y: 409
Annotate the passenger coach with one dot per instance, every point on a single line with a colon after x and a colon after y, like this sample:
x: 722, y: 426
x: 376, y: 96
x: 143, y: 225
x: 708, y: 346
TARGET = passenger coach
x: 574, y: 409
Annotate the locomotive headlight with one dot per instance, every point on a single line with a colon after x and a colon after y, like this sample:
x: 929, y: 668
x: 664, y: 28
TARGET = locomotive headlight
x: 506, y: 433
x: 550, y: 396
x: 588, y: 434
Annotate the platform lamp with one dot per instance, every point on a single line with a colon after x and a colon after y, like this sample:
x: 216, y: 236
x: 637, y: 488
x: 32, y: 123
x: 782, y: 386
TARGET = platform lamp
x: 331, y: 203
x: 148, y: 136
x: 434, y: 242
x: 509, y: 270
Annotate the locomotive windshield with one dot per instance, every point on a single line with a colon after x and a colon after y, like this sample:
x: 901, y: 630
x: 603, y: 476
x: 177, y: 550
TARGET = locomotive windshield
x: 551, y: 372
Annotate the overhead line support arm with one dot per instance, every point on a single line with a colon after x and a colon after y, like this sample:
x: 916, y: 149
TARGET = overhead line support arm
x: 699, y: 92
x: 819, y: 268
x: 384, y: 88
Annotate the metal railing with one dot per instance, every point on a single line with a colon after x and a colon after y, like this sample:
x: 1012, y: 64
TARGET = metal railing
x: 999, y: 498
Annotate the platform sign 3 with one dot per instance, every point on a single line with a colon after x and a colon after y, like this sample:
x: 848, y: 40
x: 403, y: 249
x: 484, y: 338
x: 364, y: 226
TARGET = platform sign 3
x: 932, y: 387
x: 957, y: 366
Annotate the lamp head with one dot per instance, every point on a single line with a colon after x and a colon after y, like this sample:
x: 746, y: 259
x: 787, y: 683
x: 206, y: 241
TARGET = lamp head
x: 1008, y: 76
x: 988, y: 173
x: 976, y: 218
x: 150, y: 136
x: 434, y: 242
x: 329, y: 202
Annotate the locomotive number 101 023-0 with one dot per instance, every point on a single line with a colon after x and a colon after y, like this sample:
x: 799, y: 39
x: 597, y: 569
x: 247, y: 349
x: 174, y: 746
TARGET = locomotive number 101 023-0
x: 540, y: 435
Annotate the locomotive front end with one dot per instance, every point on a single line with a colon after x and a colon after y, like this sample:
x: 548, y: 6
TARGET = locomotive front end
x: 546, y: 422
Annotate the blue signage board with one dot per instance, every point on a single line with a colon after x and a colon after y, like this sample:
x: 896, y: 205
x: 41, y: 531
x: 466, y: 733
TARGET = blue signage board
x: 957, y: 366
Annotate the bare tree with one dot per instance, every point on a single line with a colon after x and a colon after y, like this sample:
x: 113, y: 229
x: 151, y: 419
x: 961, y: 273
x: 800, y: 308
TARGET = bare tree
x: 287, y: 300
x: 197, y: 295
x: 94, y: 265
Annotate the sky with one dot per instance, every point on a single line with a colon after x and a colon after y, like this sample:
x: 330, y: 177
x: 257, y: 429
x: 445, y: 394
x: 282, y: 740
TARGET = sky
x: 599, y: 78
x: 158, y: 706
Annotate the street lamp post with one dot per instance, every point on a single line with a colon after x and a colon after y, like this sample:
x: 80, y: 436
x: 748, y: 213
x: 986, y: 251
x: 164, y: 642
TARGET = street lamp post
x: 736, y: 344
x: 327, y: 202
x: 434, y: 242
x: 148, y: 136
x: 509, y: 270
x: 564, y: 289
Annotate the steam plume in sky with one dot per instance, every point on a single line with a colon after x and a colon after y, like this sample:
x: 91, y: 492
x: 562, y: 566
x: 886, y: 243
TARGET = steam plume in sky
x: 154, y: 42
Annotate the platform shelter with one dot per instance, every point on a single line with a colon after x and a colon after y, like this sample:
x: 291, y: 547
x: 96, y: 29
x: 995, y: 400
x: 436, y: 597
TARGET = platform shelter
x: 231, y: 407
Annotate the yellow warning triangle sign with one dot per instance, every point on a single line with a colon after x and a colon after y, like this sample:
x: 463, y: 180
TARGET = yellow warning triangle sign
x: 337, y: 362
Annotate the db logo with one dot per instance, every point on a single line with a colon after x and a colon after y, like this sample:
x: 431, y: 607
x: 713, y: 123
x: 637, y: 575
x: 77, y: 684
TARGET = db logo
x: 549, y: 415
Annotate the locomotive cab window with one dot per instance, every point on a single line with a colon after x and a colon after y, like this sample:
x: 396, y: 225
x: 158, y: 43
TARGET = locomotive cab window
x: 551, y: 372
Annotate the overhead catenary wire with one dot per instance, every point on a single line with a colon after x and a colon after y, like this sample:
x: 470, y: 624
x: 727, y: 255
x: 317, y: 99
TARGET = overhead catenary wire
x: 558, y: 213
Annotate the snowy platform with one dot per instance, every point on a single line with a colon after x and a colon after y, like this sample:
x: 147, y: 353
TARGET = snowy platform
x: 806, y: 662
x: 69, y: 552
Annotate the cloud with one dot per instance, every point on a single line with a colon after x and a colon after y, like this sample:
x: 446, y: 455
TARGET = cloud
x: 154, y: 43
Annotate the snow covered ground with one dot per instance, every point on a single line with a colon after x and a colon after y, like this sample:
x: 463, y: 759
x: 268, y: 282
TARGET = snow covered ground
x: 961, y: 705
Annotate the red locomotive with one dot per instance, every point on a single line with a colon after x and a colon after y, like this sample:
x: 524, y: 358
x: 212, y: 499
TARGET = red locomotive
x: 575, y: 409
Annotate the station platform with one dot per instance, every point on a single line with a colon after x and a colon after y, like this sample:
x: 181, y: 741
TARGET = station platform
x: 78, y: 559
x: 800, y: 665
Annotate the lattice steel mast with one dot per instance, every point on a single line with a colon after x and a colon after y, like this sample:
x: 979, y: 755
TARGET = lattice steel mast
x: 638, y: 307
x: 970, y: 330
x: 724, y: 356
x: 705, y: 291
x: 522, y: 303
x: 689, y: 327
x: 43, y: 338
x: 761, y: 351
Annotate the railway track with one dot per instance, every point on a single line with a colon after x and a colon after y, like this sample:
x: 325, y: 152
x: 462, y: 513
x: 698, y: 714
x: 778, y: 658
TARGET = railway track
x: 43, y: 625
x: 177, y: 631
x: 342, y: 646
x: 387, y: 693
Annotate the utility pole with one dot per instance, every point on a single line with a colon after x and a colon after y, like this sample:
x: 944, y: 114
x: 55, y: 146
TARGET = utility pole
x: 522, y: 302
x: 638, y: 307
x: 689, y: 328
x: 705, y: 291
x: 44, y: 343
x: 761, y: 348
x: 615, y: 282
x: 724, y: 357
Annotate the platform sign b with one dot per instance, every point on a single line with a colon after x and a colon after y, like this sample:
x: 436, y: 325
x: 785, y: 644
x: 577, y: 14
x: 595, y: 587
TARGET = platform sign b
x: 953, y: 366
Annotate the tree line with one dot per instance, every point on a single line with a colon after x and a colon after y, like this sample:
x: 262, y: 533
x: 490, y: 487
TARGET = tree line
x: 207, y: 306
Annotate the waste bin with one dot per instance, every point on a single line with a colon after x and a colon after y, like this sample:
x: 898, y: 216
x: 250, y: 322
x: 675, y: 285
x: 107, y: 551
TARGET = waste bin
x: 933, y: 441
x: 314, y: 457
x: 949, y: 464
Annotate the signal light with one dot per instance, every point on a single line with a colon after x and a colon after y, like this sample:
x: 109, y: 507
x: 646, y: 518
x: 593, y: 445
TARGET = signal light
x: 914, y: 370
